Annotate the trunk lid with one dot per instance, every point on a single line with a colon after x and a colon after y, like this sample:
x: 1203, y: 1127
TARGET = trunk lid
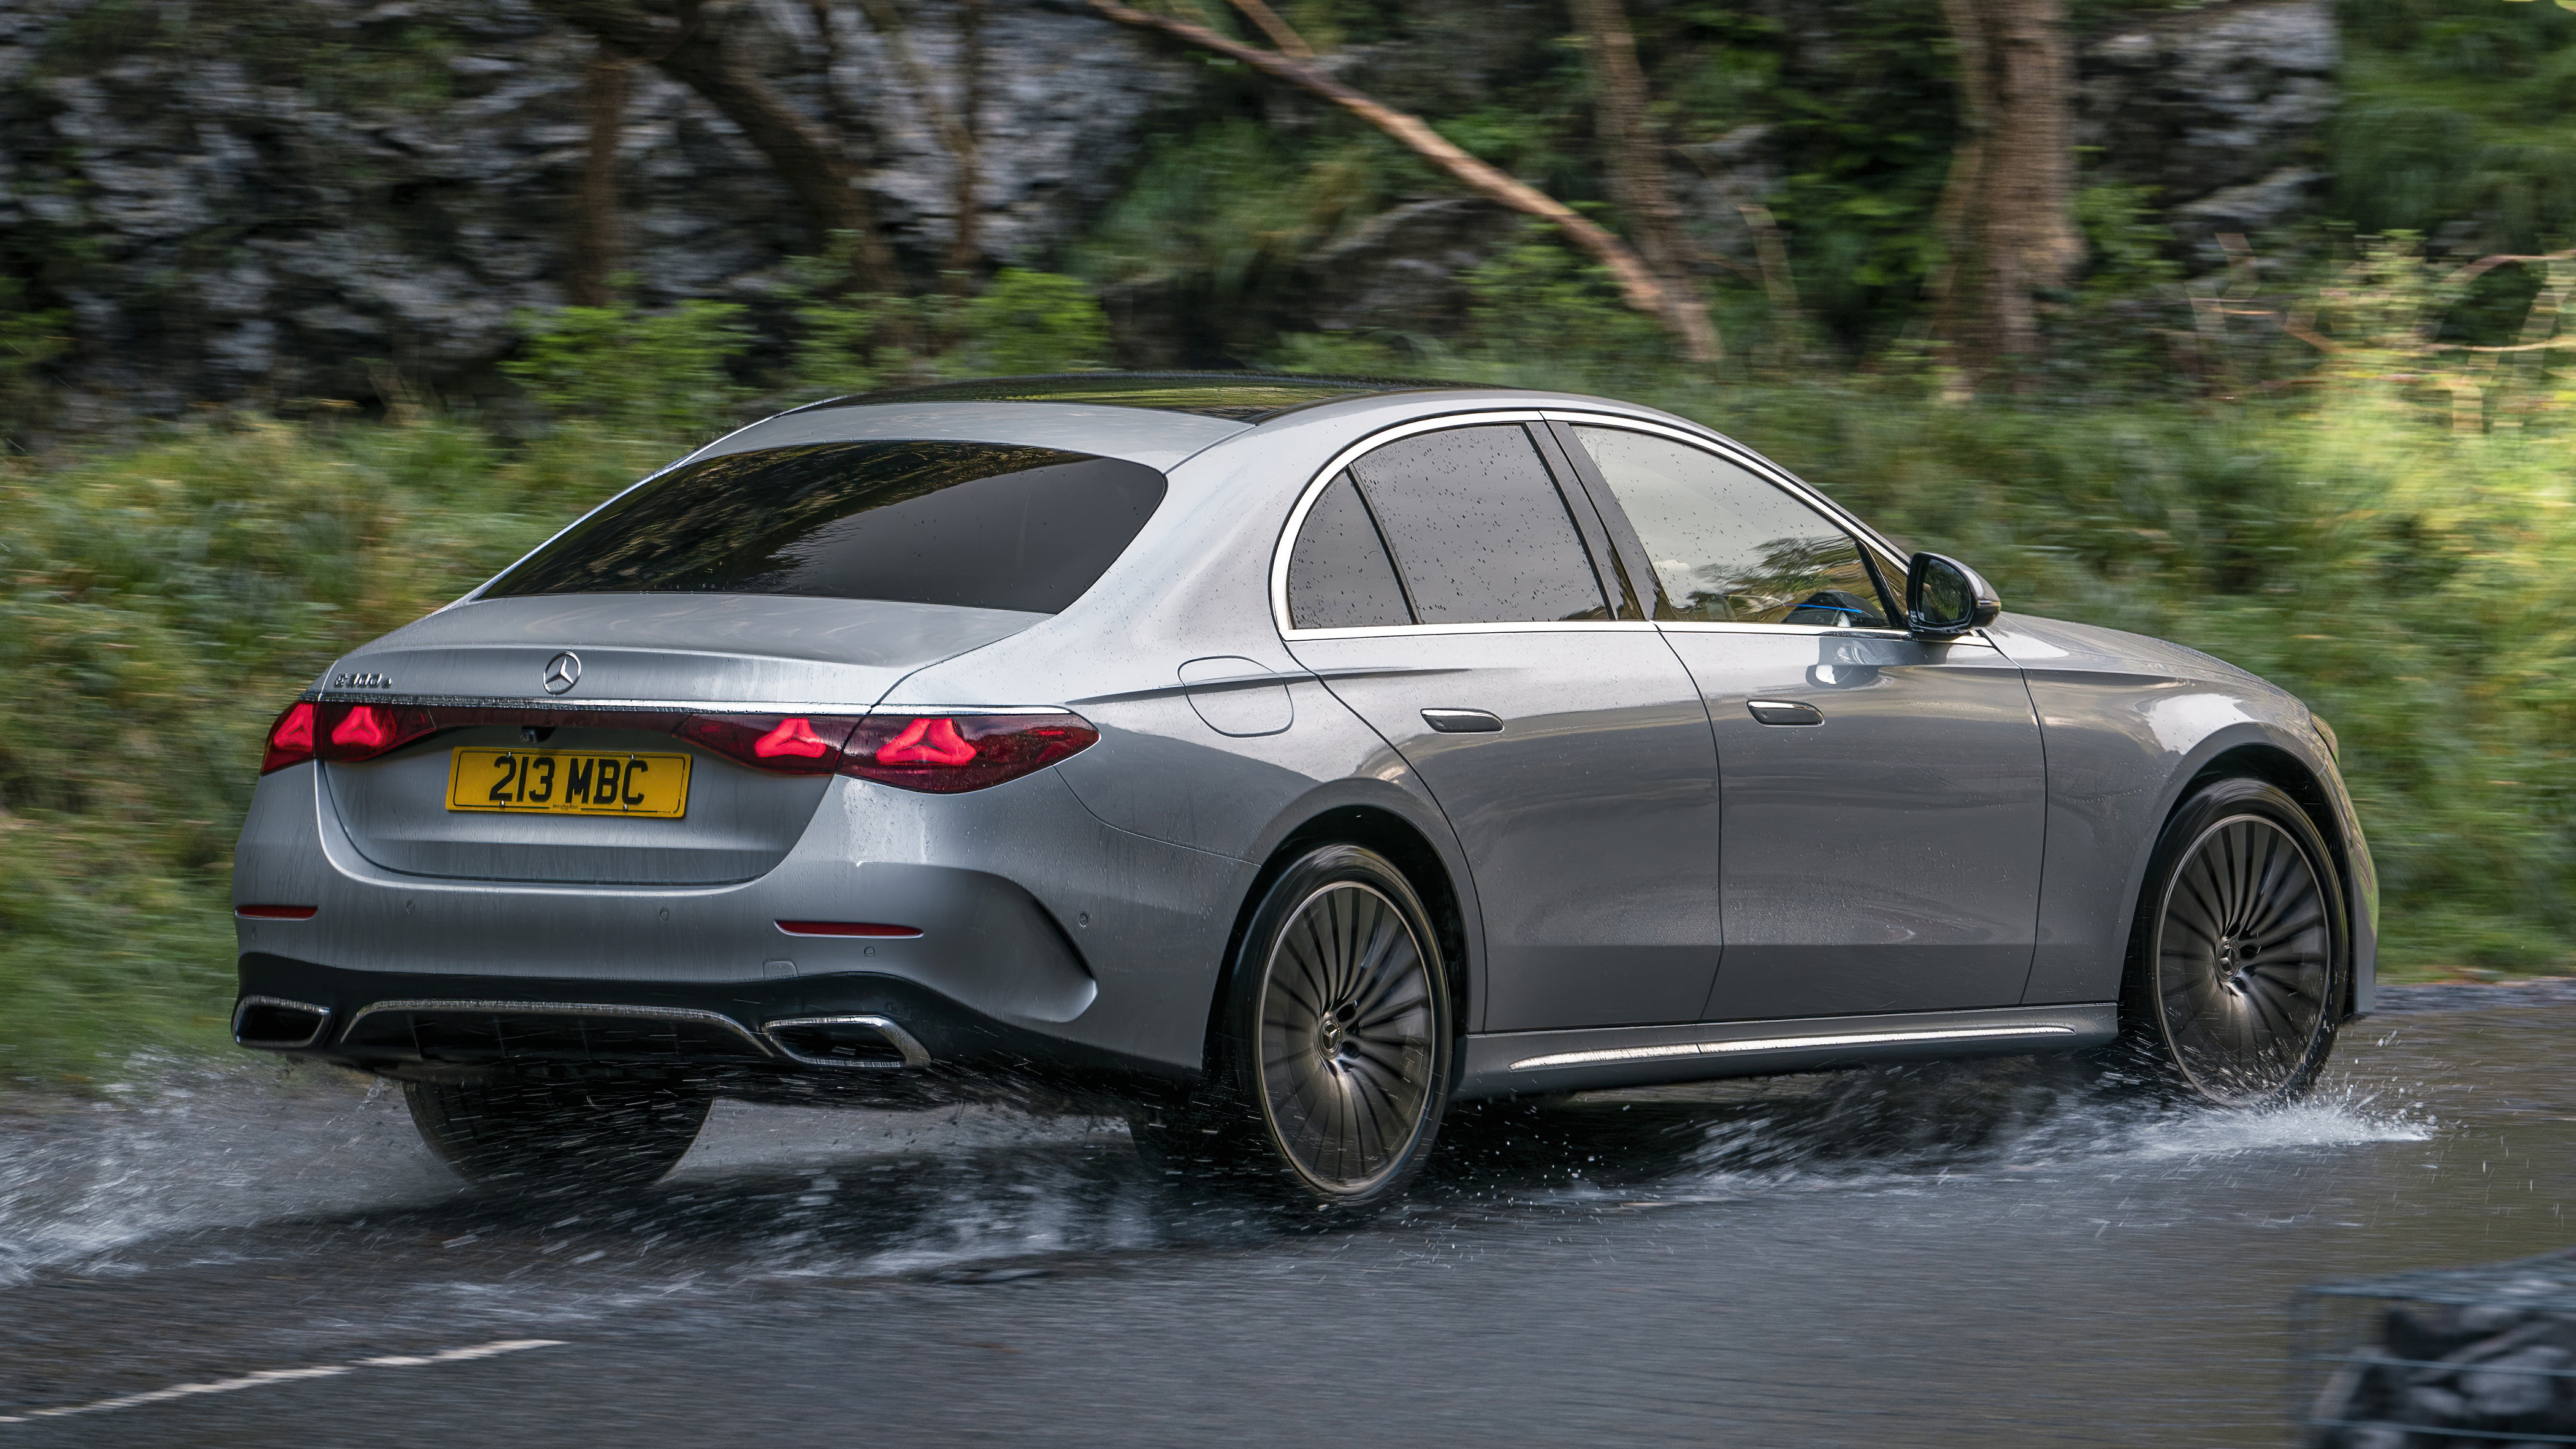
x: 645, y: 662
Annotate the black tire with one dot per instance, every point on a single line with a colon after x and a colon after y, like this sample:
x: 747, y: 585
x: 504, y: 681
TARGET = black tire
x: 2241, y: 951
x: 519, y: 1135
x: 1332, y: 1053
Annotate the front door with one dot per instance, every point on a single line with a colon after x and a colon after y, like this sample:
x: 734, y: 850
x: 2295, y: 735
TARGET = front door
x: 1883, y: 795
x: 1447, y: 591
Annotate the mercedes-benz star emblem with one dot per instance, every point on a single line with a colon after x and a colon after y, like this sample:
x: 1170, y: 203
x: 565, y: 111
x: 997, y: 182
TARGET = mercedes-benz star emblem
x: 563, y: 672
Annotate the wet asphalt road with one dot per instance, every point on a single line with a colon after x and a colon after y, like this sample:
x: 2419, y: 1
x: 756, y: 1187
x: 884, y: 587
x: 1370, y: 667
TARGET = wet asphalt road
x: 1968, y: 1255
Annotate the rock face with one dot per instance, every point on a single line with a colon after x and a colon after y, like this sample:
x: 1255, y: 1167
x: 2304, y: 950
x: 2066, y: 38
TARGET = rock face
x: 251, y: 222
x: 2217, y: 108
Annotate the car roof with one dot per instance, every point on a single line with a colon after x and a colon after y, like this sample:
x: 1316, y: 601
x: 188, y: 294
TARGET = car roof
x: 1249, y: 397
x: 1153, y: 418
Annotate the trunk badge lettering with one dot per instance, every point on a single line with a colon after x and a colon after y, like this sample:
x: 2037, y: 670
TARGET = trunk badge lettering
x: 361, y: 681
x: 563, y: 672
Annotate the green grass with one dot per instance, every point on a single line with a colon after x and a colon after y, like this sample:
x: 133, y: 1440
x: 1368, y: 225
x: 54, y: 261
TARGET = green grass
x: 161, y: 604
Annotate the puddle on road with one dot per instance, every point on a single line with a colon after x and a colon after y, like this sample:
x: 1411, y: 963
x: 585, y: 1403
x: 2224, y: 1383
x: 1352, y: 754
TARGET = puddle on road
x: 197, y: 1164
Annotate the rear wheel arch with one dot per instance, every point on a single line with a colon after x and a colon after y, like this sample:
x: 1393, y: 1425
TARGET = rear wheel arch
x: 1404, y: 845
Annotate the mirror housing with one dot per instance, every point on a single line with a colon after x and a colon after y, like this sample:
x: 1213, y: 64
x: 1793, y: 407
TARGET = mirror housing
x: 1945, y: 598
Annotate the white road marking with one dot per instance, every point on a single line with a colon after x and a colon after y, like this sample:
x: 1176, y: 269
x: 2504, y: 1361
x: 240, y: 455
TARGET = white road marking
x: 287, y: 1376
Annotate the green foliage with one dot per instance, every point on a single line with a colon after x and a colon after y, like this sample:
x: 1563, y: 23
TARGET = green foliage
x: 663, y: 373
x: 1540, y: 298
x: 29, y: 341
x: 157, y: 607
x: 1033, y: 322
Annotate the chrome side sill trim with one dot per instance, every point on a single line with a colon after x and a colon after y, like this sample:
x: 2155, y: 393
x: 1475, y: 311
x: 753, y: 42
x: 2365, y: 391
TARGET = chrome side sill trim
x: 914, y: 1053
x: 321, y: 1024
x: 568, y: 1008
x: 1785, y: 1044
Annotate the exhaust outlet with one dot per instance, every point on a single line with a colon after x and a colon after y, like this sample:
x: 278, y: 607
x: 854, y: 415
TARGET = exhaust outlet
x: 275, y: 1024
x: 846, y: 1041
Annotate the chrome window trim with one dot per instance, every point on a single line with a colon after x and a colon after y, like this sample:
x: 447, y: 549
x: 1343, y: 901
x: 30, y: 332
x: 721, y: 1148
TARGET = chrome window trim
x: 1785, y: 1044
x: 1725, y: 449
x: 1737, y: 453
x: 913, y: 1052
x: 564, y: 1008
x: 321, y: 1027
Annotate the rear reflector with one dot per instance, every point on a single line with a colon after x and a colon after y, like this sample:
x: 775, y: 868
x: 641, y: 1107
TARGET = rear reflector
x: 277, y: 913
x: 845, y: 928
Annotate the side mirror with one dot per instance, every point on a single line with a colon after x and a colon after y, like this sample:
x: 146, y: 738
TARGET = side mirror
x: 1945, y: 598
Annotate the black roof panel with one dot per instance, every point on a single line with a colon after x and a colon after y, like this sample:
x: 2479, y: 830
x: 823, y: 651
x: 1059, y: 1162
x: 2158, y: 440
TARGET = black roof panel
x: 1244, y: 396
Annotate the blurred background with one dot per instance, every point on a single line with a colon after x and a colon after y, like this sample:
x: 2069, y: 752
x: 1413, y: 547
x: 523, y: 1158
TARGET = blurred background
x: 2236, y: 323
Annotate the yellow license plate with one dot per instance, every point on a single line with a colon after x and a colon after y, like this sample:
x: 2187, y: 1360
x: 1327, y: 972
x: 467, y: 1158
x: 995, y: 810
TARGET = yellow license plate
x: 569, y: 782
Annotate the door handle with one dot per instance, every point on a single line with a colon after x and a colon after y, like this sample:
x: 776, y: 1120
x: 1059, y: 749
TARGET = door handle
x: 1463, y: 721
x: 1784, y: 712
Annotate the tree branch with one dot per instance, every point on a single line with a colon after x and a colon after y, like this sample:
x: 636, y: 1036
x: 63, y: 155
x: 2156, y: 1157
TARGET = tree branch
x: 802, y: 155
x: 1638, y: 285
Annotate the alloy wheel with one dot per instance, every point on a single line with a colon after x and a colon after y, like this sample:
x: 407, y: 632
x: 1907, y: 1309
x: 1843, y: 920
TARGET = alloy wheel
x: 2244, y: 960
x: 1348, y: 1043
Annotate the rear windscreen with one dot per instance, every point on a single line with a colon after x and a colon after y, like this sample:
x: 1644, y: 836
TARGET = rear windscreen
x: 982, y: 525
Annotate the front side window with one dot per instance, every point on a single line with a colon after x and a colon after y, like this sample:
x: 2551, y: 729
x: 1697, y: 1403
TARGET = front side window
x: 978, y: 525
x: 1730, y: 547
x: 1478, y: 529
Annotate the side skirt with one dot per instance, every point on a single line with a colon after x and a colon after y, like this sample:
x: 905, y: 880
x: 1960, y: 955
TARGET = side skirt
x: 1515, y: 1063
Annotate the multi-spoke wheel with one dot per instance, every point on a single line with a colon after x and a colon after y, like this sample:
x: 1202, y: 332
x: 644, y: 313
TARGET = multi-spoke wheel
x: 1332, y: 1056
x: 2241, y: 951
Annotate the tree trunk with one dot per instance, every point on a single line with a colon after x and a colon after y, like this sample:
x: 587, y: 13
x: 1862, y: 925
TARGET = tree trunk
x: 801, y: 153
x: 1638, y: 179
x: 1639, y: 287
x: 594, y: 216
x: 2006, y: 217
x: 954, y: 128
x: 966, y: 245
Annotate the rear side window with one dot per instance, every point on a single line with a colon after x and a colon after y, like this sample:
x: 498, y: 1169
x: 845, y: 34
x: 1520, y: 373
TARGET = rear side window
x: 1478, y: 529
x: 979, y: 525
x: 1339, y: 575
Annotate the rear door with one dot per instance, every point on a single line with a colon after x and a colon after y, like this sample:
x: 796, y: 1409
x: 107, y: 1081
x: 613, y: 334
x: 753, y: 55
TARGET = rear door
x: 1450, y: 593
x: 1883, y: 795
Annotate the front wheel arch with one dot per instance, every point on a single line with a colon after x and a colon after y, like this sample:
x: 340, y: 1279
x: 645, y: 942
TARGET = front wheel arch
x: 2285, y: 772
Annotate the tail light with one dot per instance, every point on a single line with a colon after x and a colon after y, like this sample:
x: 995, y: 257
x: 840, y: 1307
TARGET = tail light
x: 346, y: 733
x: 290, y: 739
x: 939, y: 754
x: 952, y: 753
x: 796, y: 744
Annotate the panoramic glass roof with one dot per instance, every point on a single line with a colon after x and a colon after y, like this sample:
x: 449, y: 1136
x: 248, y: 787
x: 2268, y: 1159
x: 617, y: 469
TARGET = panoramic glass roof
x: 1244, y: 396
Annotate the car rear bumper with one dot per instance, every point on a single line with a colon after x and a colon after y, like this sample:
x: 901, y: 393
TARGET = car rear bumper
x: 1035, y: 931
x: 419, y: 1024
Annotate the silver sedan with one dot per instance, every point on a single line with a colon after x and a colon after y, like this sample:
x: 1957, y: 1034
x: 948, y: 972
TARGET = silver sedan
x: 1275, y: 761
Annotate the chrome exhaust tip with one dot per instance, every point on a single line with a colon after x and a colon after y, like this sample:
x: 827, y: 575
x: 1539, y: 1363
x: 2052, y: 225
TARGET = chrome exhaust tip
x: 272, y: 1023
x: 846, y: 1041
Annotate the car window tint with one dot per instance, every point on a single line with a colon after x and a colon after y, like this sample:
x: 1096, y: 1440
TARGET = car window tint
x: 983, y: 525
x: 1729, y: 546
x: 1478, y: 528
x: 1339, y: 576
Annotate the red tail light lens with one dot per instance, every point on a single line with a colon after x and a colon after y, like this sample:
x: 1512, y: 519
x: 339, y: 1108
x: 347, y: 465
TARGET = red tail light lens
x: 780, y: 744
x: 353, y: 732
x: 951, y: 754
x: 290, y: 740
